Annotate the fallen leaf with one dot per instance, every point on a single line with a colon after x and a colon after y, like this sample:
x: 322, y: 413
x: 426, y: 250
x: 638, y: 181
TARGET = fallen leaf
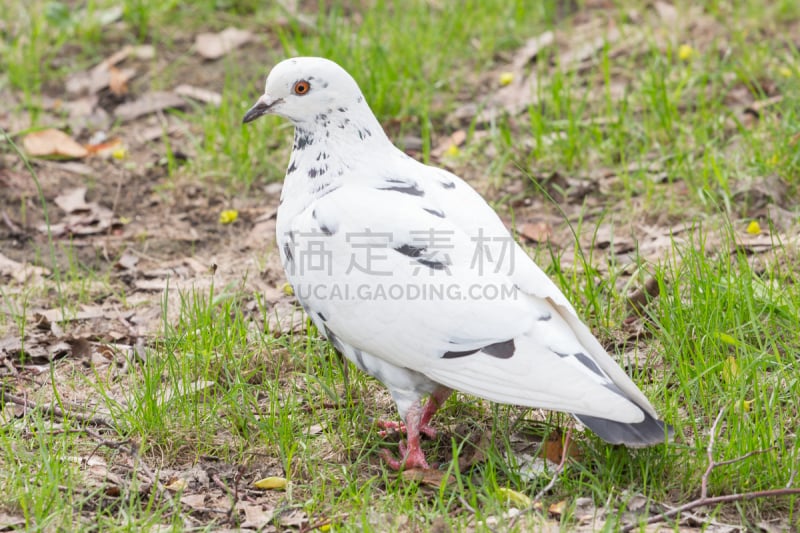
x: 271, y: 483
x: 638, y: 299
x: 118, y: 81
x: 10, y: 522
x: 293, y: 518
x: 73, y: 200
x: 430, y: 477
x: 558, y: 508
x: 255, y: 516
x: 195, y: 501
x: 216, y: 45
x: 666, y: 11
x: 21, y: 272
x: 730, y: 370
x: 201, y: 95
x: 176, y: 485
x: 456, y: 139
x: 105, y: 148
x: 539, y: 232
x: 553, y: 448
x: 517, y: 498
x: 148, y: 103
x: 86, y: 312
x: 52, y: 143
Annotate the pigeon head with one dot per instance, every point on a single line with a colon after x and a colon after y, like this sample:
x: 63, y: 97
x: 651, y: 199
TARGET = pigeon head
x: 307, y: 89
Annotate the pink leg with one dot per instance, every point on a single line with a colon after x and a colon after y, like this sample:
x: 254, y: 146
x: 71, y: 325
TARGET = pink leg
x: 410, y: 451
x: 435, y: 401
x: 417, y: 421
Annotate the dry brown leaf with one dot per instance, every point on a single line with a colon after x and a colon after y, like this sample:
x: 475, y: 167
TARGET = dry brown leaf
x: 666, y: 11
x: 558, y: 508
x: 148, y: 103
x: 73, y: 200
x: 293, y: 518
x: 118, y: 81
x: 201, y: 95
x: 455, y: 140
x: 87, y: 312
x: 476, y: 452
x: 553, y: 448
x: 216, y: 45
x: 540, y: 232
x: 100, y: 76
x: 529, y: 51
x: 586, y: 40
x: 195, y: 501
x: 106, y: 148
x: 430, y: 477
x: 10, y: 522
x: 52, y: 143
x: 21, y: 272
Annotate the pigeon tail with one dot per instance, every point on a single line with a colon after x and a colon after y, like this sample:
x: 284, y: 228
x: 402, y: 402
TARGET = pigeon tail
x: 648, y: 432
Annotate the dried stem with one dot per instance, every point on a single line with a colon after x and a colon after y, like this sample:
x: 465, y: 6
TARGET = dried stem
x: 57, y: 411
x: 704, y: 499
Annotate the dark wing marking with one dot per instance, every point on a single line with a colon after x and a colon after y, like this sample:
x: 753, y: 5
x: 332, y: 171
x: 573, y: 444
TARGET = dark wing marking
x: 435, y: 212
x: 501, y: 350
x: 327, y: 227
x: 403, y: 186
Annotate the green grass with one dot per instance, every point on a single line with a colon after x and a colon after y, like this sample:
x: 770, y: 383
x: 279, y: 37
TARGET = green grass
x: 216, y: 386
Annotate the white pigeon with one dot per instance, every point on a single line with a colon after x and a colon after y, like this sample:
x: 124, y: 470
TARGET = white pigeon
x: 412, y: 276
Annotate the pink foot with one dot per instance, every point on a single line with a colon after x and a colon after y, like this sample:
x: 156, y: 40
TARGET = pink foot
x: 412, y: 458
x: 390, y: 426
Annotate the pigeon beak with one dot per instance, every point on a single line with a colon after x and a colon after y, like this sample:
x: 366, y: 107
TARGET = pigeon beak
x: 262, y: 107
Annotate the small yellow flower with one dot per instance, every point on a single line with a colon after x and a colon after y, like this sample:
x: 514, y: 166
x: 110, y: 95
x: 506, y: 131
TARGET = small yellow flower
x: 124, y: 220
x: 506, y: 78
x: 746, y: 405
x: 119, y: 153
x: 754, y: 228
x: 786, y: 72
x: 452, y: 151
x: 287, y: 289
x: 685, y: 52
x: 228, y: 216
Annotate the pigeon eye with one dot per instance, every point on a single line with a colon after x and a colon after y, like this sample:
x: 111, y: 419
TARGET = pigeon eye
x: 301, y: 87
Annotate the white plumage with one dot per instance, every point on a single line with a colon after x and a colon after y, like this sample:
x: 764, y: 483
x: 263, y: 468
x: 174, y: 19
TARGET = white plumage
x: 415, y: 279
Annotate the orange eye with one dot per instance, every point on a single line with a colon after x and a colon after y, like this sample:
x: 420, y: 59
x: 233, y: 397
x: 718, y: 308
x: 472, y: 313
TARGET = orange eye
x: 301, y: 87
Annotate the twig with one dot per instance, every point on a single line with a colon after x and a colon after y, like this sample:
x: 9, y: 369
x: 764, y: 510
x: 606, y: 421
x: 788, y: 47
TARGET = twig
x: 9, y: 365
x: 559, y: 468
x: 233, y: 494
x: 551, y: 483
x: 704, y: 499
x: 13, y: 227
x: 322, y: 523
x: 57, y: 411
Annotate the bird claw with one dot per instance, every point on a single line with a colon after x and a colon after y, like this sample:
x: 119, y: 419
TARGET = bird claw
x: 390, y: 426
x: 411, y: 459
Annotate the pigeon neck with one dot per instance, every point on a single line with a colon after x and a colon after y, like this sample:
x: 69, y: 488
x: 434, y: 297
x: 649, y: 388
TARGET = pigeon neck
x: 331, y: 147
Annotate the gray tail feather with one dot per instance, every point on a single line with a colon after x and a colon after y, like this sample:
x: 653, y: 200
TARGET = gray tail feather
x: 648, y: 432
